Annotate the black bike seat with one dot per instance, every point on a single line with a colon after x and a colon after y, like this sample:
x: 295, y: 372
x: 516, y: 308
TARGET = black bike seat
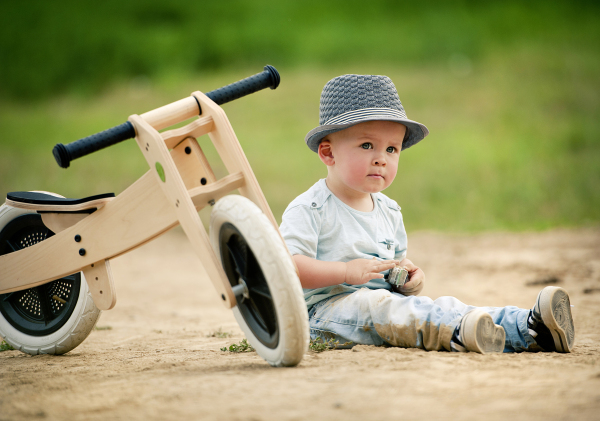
x: 48, y: 202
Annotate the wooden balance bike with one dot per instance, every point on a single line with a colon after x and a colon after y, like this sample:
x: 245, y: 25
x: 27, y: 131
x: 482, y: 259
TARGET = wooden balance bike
x: 55, y: 276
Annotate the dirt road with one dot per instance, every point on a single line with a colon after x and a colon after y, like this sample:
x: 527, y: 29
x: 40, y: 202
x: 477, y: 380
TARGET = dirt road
x: 153, y: 356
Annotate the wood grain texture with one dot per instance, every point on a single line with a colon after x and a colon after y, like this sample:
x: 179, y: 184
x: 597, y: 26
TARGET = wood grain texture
x: 100, y: 282
x: 173, y: 187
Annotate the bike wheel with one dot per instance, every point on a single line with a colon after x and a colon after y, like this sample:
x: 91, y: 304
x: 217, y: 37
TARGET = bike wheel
x: 52, y: 318
x: 271, y: 312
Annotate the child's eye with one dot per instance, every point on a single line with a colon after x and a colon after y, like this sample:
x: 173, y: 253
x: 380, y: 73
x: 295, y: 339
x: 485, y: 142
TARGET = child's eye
x: 366, y: 145
x: 391, y: 149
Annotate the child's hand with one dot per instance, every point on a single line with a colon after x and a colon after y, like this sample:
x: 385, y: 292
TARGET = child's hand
x: 416, y: 280
x: 361, y: 271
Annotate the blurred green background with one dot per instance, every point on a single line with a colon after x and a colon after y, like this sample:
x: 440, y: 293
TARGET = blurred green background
x: 509, y: 90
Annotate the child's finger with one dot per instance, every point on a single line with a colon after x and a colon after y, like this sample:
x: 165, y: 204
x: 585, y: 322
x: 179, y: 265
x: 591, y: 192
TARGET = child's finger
x: 413, y: 286
x: 411, y: 291
x: 387, y: 263
x: 409, y: 266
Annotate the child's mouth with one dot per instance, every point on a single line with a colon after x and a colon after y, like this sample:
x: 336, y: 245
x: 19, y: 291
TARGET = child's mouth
x: 376, y: 176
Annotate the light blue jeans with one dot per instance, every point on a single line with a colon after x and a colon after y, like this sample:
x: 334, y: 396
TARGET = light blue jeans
x: 381, y: 317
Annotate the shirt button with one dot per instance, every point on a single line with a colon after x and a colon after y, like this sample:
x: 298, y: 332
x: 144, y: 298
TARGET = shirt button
x: 314, y: 205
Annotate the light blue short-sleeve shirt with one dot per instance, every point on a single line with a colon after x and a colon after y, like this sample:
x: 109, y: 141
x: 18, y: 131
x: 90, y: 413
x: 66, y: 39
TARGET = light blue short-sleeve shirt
x: 319, y: 225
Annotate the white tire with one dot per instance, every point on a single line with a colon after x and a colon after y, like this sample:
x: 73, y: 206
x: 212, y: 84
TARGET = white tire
x: 279, y: 333
x: 72, y: 328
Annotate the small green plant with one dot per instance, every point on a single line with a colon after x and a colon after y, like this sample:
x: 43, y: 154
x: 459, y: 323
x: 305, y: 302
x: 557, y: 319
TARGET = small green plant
x: 103, y: 328
x: 318, y: 345
x: 219, y: 334
x: 5, y: 346
x: 244, y: 346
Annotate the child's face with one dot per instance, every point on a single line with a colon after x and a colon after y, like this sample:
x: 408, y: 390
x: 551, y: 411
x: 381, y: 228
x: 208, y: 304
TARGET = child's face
x: 364, y: 157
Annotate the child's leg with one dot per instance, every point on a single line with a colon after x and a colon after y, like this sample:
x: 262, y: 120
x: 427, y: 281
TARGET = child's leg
x: 548, y: 326
x: 514, y: 322
x: 378, y: 317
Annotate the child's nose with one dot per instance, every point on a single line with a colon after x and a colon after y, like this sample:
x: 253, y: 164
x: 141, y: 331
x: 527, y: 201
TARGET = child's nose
x: 379, y: 159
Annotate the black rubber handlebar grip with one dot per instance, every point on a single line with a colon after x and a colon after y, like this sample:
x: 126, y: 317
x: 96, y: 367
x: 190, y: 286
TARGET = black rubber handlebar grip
x: 64, y: 154
x: 269, y: 78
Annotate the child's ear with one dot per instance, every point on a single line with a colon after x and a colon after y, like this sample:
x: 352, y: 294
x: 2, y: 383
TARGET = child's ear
x: 326, y: 153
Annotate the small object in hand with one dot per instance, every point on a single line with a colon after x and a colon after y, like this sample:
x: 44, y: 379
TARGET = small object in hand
x: 397, y: 276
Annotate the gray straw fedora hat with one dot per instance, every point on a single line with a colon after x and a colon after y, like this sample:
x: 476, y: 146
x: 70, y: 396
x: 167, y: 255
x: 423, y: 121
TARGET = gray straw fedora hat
x: 351, y: 99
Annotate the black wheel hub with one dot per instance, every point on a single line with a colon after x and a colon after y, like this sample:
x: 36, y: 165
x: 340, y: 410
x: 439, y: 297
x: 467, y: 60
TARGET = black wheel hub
x: 257, y: 308
x: 44, y: 309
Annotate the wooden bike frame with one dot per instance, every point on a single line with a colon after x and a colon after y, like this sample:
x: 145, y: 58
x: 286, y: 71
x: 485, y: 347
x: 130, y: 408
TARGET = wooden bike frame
x: 170, y: 193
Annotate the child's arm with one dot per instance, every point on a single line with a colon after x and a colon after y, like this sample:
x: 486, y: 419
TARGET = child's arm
x: 318, y: 274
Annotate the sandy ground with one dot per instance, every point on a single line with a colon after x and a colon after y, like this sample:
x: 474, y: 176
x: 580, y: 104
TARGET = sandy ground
x: 158, y: 361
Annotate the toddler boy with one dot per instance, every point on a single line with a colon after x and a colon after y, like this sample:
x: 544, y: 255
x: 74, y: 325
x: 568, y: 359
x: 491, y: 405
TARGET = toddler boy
x: 345, y: 235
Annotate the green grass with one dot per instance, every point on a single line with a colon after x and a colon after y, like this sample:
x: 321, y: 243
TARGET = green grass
x: 243, y: 346
x: 5, y: 346
x: 72, y: 46
x: 514, y: 143
x: 103, y: 328
x: 509, y: 91
x: 318, y: 345
x: 219, y: 334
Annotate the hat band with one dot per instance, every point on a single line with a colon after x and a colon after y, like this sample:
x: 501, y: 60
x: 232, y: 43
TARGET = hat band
x: 365, y: 114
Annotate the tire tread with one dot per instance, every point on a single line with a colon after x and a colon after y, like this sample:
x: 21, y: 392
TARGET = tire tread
x: 86, y: 318
x: 277, y: 263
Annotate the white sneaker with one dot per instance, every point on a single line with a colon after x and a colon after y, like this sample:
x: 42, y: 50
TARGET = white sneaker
x: 550, y: 321
x: 478, y: 333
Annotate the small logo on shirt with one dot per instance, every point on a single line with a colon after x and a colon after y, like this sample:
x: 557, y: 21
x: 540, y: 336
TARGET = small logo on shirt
x: 389, y: 243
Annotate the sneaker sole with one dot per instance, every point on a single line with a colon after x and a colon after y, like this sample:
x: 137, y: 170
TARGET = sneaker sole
x: 488, y: 336
x: 555, y: 309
